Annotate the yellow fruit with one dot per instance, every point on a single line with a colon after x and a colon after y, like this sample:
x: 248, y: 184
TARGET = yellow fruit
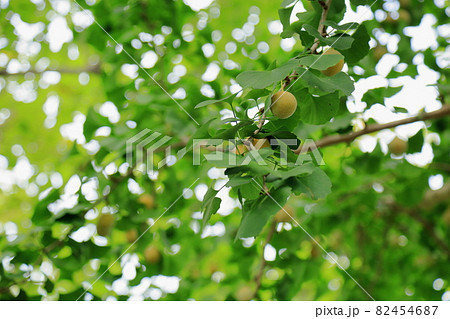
x: 239, y: 149
x: 335, y: 69
x: 105, y: 224
x: 260, y: 143
x: 147, y: 200
x: 404, y: 16
x: 405, y: 3
x: 257, y: 143
x: 152, y: 255
x: 131, y: 235
x: 379, y: 51
x: 283, y: 105
x: 244, y: 293
x: 446, y: 216
x: 390, y: 19
x: 398, y: 146
x: 315, y: 251
x: 213, y: 267
x: 284, y: 215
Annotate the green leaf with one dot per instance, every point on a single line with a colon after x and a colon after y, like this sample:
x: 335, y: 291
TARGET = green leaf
x: 253, y: 189
x: 230, y: 133
x: 77, y: 209
x: 306, y: 17
x: 263, y: 79
x: 202, y: 132
x: 359, y: 47
x: 238, y: 180
x: 296, y: 171
x: 285, y: 15
x: 257, y: 212
x: 415, y: 143
x: 42, y: 216
x: 307, y: 40
x: 256, y: 94
x: 320, y: 62
x: 328, y: 84
x: 317, y: 110
x: 360, y: 2
x: 286, y: 3
x: 210, y: 209
x: 343, y: 27
x: 316, y: 185
x: 93, y: 122
x: 210, y: 204
x: 340, y: 42
x: 400, y: 109
x: 378, y: 95
x: 228, y: 99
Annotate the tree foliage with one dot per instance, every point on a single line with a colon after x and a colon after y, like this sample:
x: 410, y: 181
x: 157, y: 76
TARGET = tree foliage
x: 80, y: 78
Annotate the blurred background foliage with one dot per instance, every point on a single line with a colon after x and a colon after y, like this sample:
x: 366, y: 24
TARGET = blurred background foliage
x: 71, y: 94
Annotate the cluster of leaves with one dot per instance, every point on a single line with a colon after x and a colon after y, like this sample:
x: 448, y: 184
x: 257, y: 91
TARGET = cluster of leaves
x: 264, y: 187
x: 375, y: 214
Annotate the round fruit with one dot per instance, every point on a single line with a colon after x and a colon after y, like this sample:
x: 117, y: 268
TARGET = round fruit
x: 283, y: 105
x: 390, y: 19
x: 257, y: 143
x: 335, y: 69
x: 398, y: 146
x: 285, y: 214
x: 379, y: 51
x: 405, y: 3
x: 404, y: 16
x: 152, y: 255
x: 147, y: 200
x: 446, y: 216
x: 239, y: 149
x: 105, y: 224
x: 244, y: 293
x: 131, y: 235
x: 260, y: 143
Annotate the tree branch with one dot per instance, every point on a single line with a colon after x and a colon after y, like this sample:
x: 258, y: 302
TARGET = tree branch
x: 323, y: 17
x: 261, y: 121
x: 347, y: 138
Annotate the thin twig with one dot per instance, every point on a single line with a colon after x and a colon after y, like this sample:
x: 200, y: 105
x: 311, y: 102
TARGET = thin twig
x: 321, y: 28
x: 347, y: 138
x: 261, y: 121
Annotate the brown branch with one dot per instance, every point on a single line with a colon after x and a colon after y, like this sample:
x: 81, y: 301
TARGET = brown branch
x: 321, y: 28
x: 260, y: 122
x: 440, y: 166
x: 434, y: 197
x: 347, y: 138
